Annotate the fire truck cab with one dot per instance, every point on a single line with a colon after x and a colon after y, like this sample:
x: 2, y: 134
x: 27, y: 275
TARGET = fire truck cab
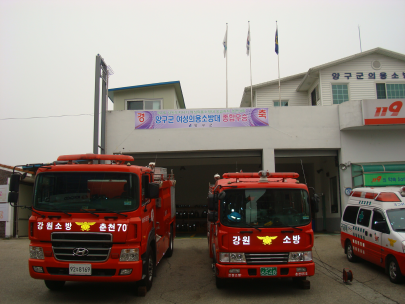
x: 259, y: 226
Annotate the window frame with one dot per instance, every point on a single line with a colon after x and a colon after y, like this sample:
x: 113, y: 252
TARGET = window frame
x: 386, y: 89
x: 348, y: 91
x: 127, y: 101
x: 286, y: 101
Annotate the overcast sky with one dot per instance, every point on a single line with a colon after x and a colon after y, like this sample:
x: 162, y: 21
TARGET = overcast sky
x: 48, y: 51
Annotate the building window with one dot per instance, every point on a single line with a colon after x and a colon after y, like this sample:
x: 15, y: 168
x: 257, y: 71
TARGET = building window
x: 144, y: 104
x: 334, y: 195
x: 284, y: 103
x: 381, y: 94
x: 315, y: 96
x: 340, y: 93
x: 390, y: 90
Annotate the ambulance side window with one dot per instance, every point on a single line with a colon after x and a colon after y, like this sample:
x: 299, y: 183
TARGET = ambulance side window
x: 364, y: 217
x: 350, y: 214
x: 379, y: 223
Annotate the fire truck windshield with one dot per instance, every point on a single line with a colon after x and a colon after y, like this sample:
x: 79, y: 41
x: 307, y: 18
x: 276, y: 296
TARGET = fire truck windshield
x: 265, y: 208
x: 81, y: 191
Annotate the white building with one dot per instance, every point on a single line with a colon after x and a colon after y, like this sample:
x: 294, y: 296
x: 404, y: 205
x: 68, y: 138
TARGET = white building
x: 335, y: 123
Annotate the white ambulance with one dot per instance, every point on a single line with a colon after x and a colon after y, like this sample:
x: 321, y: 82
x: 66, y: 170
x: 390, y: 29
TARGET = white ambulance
x: 373, y: 228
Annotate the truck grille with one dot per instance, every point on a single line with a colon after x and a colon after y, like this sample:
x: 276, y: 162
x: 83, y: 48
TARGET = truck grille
x: 81, y: 247
x: 266, y: 258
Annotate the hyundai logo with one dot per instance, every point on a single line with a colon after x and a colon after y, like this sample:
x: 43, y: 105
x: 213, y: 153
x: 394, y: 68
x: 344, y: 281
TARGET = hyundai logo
x: 80, y: 252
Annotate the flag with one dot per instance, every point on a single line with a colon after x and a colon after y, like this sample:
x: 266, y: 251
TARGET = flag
x: 276, y: 41
x: 225, y: 42
x: 248, y: 42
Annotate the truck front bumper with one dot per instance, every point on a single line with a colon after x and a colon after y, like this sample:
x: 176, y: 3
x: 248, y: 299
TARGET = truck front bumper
x: 108, y: 271
x: 254, y: 271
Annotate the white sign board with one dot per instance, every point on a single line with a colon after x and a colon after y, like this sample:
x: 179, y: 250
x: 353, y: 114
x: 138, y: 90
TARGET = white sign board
x: 4, y: 212
x: 383, y: 112
x: 4, y: 205
x: 3, y: 193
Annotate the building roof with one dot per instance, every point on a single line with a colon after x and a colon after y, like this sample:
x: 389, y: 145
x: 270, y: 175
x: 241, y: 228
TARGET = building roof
x: 312, y: 74
x: 176, y: 85
x: 245, y: 102
x: 309, y: 77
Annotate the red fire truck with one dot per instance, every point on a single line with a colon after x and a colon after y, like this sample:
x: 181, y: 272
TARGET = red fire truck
x: 99, y: 218
x: 259, y: 226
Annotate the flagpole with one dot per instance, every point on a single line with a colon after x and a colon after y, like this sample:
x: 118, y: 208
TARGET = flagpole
x: 250, y: 57
x: 278, y: 62
x: 226, y: 65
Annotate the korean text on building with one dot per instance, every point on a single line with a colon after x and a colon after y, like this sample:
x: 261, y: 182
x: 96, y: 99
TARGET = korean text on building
x: 202, y: 118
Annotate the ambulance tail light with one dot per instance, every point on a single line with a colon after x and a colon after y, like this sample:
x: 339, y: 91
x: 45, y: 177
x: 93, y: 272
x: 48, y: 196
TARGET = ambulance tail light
x: 387, y: 197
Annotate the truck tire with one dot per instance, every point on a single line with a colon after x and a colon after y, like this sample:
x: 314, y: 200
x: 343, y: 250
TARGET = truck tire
x: 394, y: 271
x: 150, y: 269
x: 169, y: 251
x: 220, y: 282
x: 349, y: 252
x: 54, y: 285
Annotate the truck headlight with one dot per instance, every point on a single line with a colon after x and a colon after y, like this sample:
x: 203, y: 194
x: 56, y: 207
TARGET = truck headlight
x: 301, y: 256
x: 36, y: 253
x: 232, y: 257
x: 129, y: 255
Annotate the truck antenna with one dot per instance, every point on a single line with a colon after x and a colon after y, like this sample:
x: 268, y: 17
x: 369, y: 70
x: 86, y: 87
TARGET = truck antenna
x: 303, y: 172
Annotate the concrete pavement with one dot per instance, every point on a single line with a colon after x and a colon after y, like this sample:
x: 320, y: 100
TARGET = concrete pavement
x: 187, y: 277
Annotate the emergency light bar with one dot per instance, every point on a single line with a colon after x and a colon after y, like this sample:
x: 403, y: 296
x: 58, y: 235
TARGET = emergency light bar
x: 118, y: 157
x: 261, y: 174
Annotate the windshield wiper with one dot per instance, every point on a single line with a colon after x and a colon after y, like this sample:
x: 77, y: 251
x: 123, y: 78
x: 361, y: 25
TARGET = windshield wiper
x: 111, y: 211
x: 32, y: 209
x: 399, y: 229
x: 295, y: 227
x: 254, y: 227
x: 90, y: 212
x: 57, y: 210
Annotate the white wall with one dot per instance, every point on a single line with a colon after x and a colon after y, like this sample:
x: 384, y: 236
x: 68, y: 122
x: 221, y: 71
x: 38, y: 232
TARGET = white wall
x: 361, y: 88
x: 167, y: 93
x: 290, y: 128
x: 266, y: 95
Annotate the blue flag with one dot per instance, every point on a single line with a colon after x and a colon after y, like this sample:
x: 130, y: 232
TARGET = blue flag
x: 276, y: 41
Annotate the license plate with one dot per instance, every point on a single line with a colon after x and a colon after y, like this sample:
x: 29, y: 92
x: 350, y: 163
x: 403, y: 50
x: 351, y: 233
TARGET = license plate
x: 268, y: 271
x: 79, y: 269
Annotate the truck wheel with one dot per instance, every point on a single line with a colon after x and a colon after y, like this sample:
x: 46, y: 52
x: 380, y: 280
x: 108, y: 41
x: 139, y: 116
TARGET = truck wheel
x: 220, y: 282
x: 54, y: 285
x: 169, y: 251
x: 394, y: 271
x: 349, y: 252
x: 150, y: 269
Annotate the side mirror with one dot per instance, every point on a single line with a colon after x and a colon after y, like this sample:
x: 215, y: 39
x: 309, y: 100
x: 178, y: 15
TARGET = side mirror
x: 212, y: 217
x: 222, y: 196
x: 13, y: 197
x: 153, y: 190
x: 14, y: 182
x: 210, y: 201
x: 315, y: 203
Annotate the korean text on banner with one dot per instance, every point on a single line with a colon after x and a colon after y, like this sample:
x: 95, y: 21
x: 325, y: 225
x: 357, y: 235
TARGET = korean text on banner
x: 203, y: 118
